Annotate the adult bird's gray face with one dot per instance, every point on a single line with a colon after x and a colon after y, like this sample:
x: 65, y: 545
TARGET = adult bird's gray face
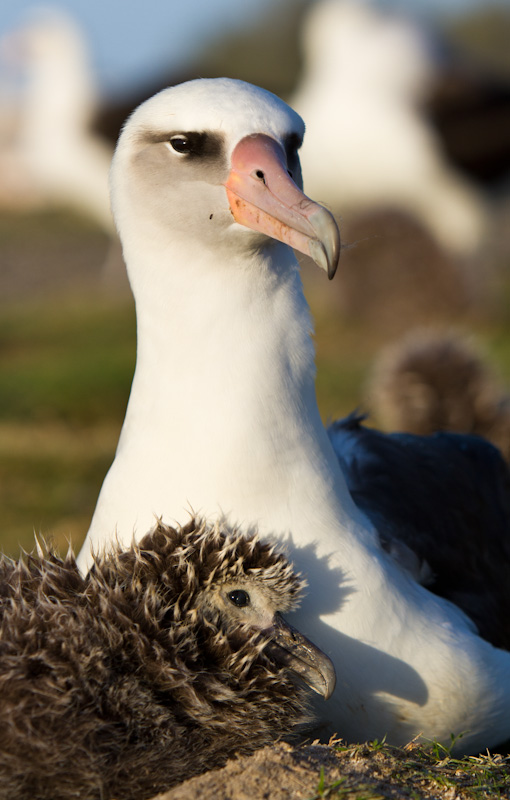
x: 252, y: 604
x: 208, y: 162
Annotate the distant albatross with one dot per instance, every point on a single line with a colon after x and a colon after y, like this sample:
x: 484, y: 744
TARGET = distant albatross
x: 223, y: 418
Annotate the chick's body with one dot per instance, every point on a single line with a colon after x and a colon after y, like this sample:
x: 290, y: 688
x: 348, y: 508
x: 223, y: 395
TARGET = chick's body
x: 143, y: 673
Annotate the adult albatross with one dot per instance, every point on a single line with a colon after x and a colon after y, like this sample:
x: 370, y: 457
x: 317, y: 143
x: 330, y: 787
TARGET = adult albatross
x: 223, y: 418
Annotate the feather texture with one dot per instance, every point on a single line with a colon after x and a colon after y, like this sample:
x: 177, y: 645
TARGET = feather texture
x: 134, y: 678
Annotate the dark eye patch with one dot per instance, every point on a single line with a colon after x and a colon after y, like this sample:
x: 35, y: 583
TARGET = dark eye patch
x: 190, y: 144
x: 195, y: 144
x: 194, y: 155
x: 292, y: 144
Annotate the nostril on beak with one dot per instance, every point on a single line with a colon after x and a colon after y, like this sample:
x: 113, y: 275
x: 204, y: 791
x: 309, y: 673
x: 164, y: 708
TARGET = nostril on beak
x: 260, y: 175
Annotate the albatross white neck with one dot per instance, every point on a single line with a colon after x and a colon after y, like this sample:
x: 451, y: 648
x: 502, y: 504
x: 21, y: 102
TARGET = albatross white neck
x: 256, y: 448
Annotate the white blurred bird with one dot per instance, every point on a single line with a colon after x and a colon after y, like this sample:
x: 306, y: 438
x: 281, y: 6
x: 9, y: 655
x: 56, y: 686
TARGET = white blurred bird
x: 368, y: 143
x: 49, y: 156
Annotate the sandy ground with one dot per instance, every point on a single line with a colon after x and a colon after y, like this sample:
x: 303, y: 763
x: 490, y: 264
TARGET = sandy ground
x: 364, y: 772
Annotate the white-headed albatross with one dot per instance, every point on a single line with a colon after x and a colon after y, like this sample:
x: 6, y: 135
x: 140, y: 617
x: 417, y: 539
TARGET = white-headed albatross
x: 223, y: 418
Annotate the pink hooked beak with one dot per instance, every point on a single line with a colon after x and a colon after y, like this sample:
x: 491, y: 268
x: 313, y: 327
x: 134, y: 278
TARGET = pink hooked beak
x: 263, y: 197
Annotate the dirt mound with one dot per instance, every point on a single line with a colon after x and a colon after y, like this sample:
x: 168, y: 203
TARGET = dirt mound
x: 371, y: 772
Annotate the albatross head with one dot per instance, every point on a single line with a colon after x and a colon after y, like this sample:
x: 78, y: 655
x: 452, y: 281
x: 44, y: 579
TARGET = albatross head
x: 217, y: 160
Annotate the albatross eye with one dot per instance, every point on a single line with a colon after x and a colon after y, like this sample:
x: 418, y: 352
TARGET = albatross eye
x: 206, y: 145
x: 181, y: 144
x: 239, y: 598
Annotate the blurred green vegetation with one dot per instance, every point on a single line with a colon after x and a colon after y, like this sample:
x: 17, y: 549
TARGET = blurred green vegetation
x: 66, y: 359
x: 484, y: 34
x: 65, y: 371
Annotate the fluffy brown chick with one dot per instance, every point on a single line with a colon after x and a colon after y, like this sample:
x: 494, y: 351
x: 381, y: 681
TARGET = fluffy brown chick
x: 161, y: 663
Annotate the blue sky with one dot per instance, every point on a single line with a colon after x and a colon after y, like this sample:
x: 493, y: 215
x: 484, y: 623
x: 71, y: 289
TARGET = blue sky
x: 131, y: 39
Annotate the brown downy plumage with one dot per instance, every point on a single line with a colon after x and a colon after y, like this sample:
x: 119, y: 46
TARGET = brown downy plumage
x: 153, y: 668
x: 438, y: 381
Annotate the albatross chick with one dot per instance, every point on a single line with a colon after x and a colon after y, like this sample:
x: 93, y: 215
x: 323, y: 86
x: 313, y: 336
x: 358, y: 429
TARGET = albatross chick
x: 166, y: 660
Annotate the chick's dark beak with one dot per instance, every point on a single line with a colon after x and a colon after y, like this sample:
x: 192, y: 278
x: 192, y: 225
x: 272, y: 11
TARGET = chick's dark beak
x: 291, y: 649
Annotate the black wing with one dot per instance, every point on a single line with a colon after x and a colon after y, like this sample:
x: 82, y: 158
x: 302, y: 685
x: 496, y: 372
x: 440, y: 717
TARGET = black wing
x: 446, y: 497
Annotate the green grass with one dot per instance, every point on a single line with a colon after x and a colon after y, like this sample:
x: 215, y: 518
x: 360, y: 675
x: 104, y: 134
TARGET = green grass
x: 65, y: 373
x: 50, y: 476
x: 68, y: 359
x: 376, y: 770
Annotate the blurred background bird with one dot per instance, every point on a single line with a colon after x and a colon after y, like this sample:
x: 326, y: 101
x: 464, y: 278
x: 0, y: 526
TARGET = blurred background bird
x: 369, y: 143
x: 54, y: 150
x: 407, y: 107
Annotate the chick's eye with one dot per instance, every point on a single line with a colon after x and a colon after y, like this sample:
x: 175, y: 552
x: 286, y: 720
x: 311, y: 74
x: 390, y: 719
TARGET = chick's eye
x: 239, y: 598
x: 181, y: 144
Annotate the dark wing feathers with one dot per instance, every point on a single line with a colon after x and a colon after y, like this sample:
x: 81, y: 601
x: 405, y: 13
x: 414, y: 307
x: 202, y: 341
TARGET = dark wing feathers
x: 446, y: 497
